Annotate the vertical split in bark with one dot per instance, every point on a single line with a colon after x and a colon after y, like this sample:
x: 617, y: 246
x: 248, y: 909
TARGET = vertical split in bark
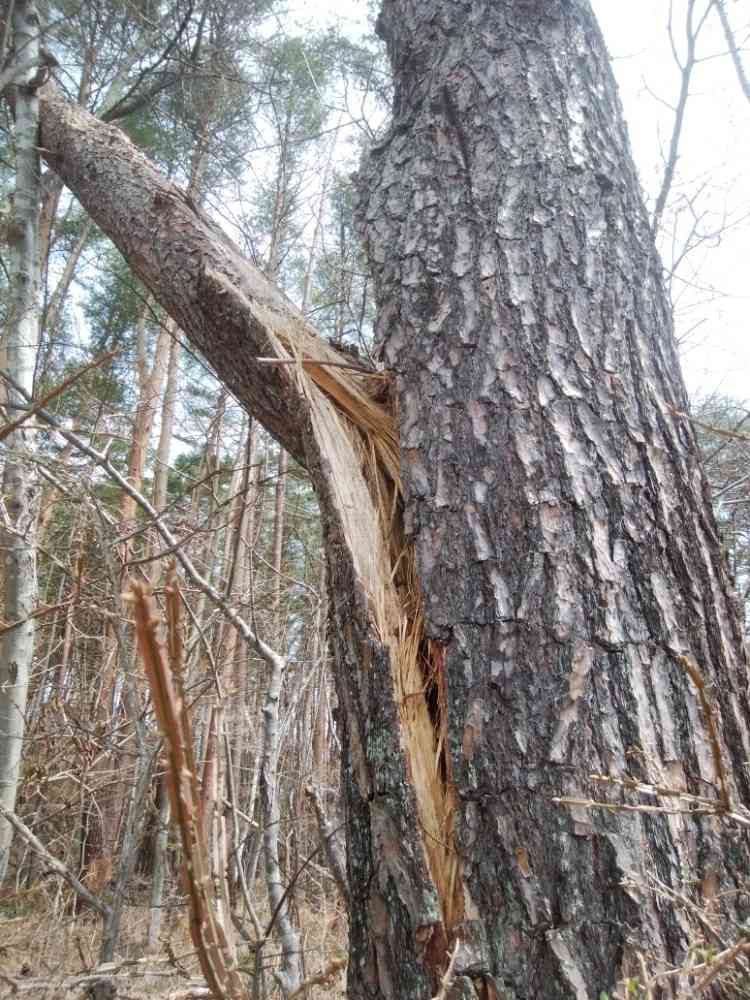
x: 405, y: 874
x: 420, y: 687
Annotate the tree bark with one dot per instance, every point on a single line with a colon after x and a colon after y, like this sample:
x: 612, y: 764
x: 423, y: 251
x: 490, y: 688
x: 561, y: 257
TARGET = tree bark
x: 20, y: 482
x: 166, y: 427
x: 564, y: 555
x: 150, y: 383
x: 279, y: 626
x: 161, y: 866
x: 565, y: 546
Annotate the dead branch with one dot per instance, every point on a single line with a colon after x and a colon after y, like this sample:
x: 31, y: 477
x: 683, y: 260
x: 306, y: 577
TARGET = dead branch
x: 208, y: 935
x: 54, y: 393
x: 693, y: 672
x: 719, y: 431
x: 56, y: 866
x: 101, y: 459
x: 325, y: 977
x: 446, y: 981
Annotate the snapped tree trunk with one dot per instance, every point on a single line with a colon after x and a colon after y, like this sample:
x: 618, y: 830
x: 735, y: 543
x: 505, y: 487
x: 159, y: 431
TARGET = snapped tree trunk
x: 510, y: 607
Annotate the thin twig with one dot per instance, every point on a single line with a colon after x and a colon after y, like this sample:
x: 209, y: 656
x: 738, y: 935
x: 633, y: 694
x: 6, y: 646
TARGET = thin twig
x: 447, y: 979
x: 691, y: 669
x: 731, y: 435
x: 54, y: 393
x: 249, y: 635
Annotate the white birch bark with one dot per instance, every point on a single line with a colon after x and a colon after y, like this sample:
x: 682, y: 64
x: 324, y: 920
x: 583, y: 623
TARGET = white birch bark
x: 20, y: 482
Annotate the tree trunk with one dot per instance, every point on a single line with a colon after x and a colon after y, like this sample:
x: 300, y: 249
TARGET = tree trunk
x: 564, y: 555
x: 290, y: 973
x: 565, y: 546
x: 161, y: 866
x: 166, y: 428
x: 150, y: 382
x: 56, y: 301
x: 279, y: 626
x: 20, y: 483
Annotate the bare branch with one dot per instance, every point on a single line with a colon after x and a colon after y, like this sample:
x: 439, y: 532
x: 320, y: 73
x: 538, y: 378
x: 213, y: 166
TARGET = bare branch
x: 692, y: 32
x: 733, y: 47
x: 56, y: 866
x: 54, y: 393
x: 262, y: 648
x: 165, y: 681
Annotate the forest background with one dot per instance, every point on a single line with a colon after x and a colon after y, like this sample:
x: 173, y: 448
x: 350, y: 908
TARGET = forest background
x: 261, y: 115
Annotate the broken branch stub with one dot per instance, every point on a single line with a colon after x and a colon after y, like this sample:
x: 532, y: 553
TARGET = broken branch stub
x: 165, y: 682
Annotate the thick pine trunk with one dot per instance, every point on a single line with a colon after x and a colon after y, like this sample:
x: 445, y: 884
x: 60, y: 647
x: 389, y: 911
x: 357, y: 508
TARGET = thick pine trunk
x: 565, y: 547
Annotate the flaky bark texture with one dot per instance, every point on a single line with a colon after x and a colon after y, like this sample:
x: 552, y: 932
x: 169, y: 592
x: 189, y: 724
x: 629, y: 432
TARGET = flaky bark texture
x: 565, y: 547
x: 174, y: 248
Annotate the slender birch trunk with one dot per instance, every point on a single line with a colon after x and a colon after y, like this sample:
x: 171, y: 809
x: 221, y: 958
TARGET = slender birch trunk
x: 57, y: 299
x: 159, y: 873
x: 150, y: 383
x: 161, y: 478
x: 319, y: 714
x: 121, y: 653
x: 20, y: 481
x: 290, y: 974
x: 166, y: 427
x: 277, y: 548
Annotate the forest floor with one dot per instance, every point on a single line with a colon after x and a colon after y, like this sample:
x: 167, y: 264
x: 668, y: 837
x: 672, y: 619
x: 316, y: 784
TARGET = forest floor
x: 47, y: 952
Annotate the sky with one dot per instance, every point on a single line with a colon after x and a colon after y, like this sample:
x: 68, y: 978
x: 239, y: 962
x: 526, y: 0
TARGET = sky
x: 712, y: 170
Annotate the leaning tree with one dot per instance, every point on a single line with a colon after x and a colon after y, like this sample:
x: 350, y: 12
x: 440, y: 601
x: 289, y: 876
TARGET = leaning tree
x: 526, y: 584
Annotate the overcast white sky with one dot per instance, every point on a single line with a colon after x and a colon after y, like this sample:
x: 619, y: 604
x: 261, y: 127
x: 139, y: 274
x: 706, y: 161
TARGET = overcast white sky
x: 715, y: 152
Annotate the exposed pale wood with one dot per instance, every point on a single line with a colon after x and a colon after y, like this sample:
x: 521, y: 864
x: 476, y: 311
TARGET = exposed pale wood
x: 165, y: 680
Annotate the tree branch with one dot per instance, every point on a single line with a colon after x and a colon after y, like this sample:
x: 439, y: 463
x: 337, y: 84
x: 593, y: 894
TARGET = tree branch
x: 262, y: 648
x: 56, y: 866
x: 733, y: 49
x: 225, y: 305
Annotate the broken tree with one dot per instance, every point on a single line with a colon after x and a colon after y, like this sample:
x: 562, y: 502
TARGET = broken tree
x: 520, y: 548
